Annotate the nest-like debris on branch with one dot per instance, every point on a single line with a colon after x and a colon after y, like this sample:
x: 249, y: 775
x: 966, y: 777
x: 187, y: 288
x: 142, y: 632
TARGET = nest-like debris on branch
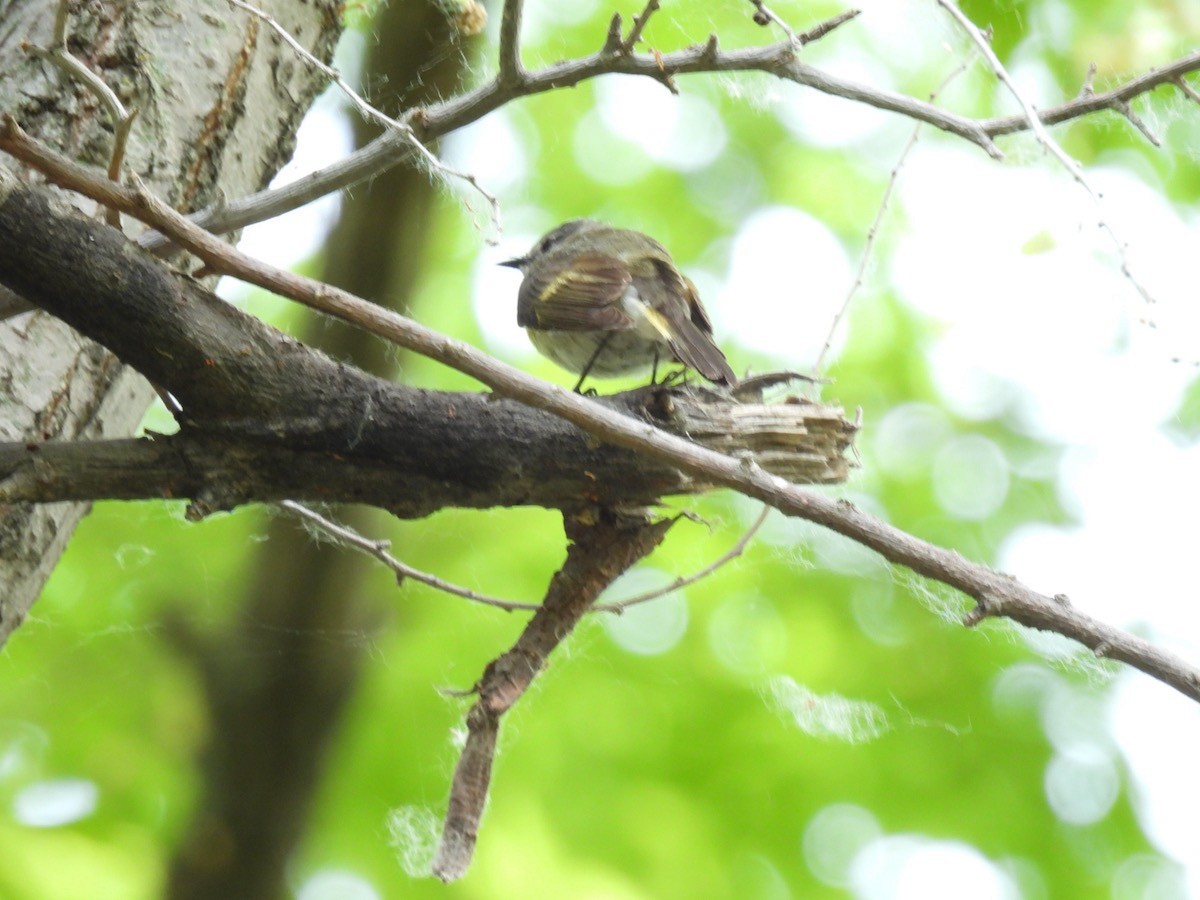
x: 788, y: 435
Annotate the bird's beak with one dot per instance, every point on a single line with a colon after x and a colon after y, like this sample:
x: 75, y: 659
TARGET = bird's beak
x: 518, y: 263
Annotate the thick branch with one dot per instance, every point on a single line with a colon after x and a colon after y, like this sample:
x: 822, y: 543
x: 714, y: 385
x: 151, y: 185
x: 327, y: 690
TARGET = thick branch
x: 603, y: 546
x: 409, y: 451
x: 268, y: 418
x: 995, y: 592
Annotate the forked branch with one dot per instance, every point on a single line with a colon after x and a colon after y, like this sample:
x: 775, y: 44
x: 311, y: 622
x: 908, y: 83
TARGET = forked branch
x: 996, y: 594
x: 601, y: 549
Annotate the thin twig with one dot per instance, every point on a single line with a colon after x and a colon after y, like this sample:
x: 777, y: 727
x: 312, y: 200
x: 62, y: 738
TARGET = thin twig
x: 1043, y: 136
x: 873, y: 232
x: 61, y: 16
x: 995, y: 594
x: 764, y: 15
x: 379, y: 550
x: 120, y: 118
x: 823, y: 28
x: 400, y: 128
x: 728, y: 556
x: 120, y: 141
x: 1137, y: 122
x: 510, y: 68
x: 1088, y: 89
x: 639, y: 25
x: 440, y: 119
x: 1188, y: 91
x: 61, y: 57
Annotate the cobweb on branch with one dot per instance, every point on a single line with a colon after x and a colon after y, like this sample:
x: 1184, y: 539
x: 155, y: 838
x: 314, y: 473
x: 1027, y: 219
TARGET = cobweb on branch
x: 413, y: 833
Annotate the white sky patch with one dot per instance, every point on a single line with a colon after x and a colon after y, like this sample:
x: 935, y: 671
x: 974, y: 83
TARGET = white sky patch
x: 788, y: 275
x: 493, y: 151
x: 900, y: 31
x: 1035, y: 82
x: 678, y: 131
x: 1159, y: 731
x: 324, y: 138
x: 1132, y: 560
x: 551, y: 19
x: 968, y: 390
x: 823, y: 120
x: 911, y: 867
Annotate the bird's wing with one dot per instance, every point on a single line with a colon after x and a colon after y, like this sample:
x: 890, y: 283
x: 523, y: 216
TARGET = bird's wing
x: 690, y: 331
x: 699, y: 314
x: 583, y: 295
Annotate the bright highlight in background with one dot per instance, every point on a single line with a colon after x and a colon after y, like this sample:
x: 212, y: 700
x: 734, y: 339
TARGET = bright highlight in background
x: 788, y: 276
x: 48, y: 804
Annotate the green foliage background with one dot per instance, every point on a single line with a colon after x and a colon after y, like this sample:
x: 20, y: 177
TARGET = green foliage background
x: 670, y: 774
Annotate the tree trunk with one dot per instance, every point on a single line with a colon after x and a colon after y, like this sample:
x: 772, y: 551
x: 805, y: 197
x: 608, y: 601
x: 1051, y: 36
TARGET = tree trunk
x: 219, y: 98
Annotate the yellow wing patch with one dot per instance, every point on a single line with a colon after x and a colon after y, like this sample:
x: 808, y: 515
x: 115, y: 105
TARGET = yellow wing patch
x: 657, y: 321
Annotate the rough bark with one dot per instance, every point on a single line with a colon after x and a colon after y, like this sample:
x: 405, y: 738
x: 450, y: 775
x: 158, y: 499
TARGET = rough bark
x: 267, y: 417
x: 219, y: 100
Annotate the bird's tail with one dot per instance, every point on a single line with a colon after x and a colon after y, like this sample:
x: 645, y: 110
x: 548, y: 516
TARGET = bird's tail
x: 696, y: 350
x: 693, y: 347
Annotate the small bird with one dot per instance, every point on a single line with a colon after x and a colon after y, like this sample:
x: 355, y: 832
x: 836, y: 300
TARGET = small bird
x: 610, y: 301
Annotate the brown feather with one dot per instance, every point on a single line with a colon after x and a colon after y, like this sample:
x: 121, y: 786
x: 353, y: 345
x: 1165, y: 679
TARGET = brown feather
x: 585, y: 295
x: 691, y: 331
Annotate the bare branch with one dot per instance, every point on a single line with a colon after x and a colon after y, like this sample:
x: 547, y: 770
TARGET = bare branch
x: 819, y: 31
x: 61, y: 57
x: 1043, y: 136
x: 442, y: 118
x: 997, y: 594
x: 613, y: 42
x: 728, y: 556
x: 1188, y: 91
x: 600, y: 551
x: 639, y: 25
x: 1084, y: 105
x: 1089, y: 80
x: 511, y: 71
x: 764, y: 16
x: 873, y: 232
x: 402, y: 129
x: 120, y: 118
x: 379, y: 550
x: 1136, y: 121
